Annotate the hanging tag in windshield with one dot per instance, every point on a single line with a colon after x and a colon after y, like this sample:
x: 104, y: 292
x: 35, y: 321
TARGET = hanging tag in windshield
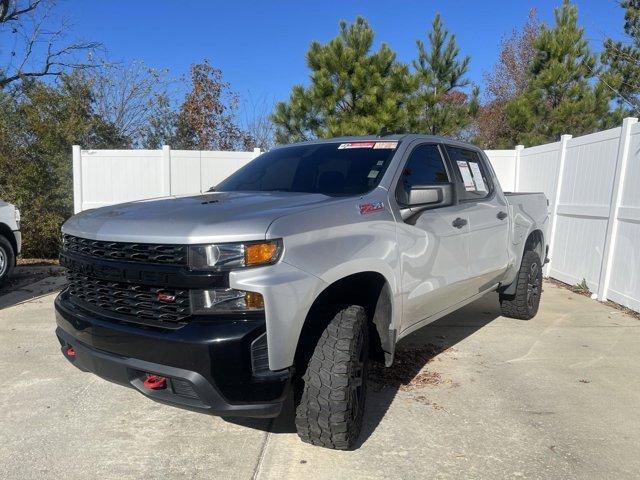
x: 345, y: 146
x: 387, y: 145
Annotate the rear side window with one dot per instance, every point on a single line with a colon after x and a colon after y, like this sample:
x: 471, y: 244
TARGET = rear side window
x: 477, y: 183
x: 424, y: 166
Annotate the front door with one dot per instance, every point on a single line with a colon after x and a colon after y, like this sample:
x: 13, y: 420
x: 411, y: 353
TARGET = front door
x: 433, y: 247
x: 486, y: 208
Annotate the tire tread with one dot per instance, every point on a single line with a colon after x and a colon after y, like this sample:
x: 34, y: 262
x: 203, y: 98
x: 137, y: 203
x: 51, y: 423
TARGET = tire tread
x: 323, y: 415
x: 515, y: 306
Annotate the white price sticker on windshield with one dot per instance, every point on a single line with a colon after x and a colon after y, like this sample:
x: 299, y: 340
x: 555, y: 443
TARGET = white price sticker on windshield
x: 477, y: 177
x: 385, y: 145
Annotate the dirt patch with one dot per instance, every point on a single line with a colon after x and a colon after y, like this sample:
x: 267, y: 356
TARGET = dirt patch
x: 581, y: 291
x: 409, y: 370
x: 38, y: 262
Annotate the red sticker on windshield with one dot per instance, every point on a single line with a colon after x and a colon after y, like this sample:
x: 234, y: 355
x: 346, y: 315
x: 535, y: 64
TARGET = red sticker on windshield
x: 344, y: 146
x: 371, y: 207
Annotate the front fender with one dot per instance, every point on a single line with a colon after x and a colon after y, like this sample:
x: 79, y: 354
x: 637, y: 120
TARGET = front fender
x: 330, y: 243
x: 288, y: 294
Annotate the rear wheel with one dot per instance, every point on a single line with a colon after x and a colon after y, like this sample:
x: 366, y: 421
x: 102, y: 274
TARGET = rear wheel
x: 524, y: 304
x: 7, y: 259
x: 330, y: 410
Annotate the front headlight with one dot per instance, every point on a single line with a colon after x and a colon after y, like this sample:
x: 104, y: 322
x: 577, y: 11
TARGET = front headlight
x: 227, y: 256
x: 17, y: 213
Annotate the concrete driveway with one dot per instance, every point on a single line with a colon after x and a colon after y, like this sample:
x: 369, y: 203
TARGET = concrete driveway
x: 474, y: 396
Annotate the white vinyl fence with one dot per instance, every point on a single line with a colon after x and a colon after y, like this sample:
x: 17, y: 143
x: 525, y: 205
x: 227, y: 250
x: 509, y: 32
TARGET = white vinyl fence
x: 105, y: 177
x: 592, y: 183
x: 593, y: 186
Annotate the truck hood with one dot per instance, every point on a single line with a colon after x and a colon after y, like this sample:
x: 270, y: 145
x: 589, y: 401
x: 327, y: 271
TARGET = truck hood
x: 210, y: 217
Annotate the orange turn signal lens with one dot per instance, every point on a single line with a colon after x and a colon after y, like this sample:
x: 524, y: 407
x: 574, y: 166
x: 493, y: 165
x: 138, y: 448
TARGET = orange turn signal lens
x: 260, y: 253
x: 254, y: 301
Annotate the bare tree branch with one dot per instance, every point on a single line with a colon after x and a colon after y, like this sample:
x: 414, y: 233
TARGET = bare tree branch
x: 256, y: 122
x: 39, y: 52
x: 129, y: 95
x: 10, y: 12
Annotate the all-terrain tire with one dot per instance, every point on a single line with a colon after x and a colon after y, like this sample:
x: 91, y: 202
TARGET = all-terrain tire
x: 524, y: 304
x: 329, y: 413
x: 7, y: 259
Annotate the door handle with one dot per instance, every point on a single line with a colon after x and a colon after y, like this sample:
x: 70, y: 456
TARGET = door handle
x: 501, y: 215
x: 459, y: 222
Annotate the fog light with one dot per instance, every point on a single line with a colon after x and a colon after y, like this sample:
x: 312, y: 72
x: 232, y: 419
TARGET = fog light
x: 254, y: 301
x: 225, y: 300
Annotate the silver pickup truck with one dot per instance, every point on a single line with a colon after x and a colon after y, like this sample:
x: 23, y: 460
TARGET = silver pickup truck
x: 295, y: 273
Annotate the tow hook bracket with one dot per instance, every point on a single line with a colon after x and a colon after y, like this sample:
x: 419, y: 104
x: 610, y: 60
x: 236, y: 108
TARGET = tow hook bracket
x: 155, y: 382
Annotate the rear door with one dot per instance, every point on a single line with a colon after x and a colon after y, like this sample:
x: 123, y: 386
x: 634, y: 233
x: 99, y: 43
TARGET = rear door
x: 433, y: 247
x: 487, y: 212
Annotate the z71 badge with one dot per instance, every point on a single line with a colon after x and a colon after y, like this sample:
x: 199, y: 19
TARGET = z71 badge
x: 371, y: 207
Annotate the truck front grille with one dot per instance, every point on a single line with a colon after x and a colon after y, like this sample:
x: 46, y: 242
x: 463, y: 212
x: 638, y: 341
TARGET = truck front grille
x: 164, y: 254
x: 139, y: 301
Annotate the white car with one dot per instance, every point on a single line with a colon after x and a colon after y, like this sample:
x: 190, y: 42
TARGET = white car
x: 10, y: 239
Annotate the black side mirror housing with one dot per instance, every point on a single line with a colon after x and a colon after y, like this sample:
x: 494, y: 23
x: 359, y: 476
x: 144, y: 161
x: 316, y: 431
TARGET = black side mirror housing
x: 425, y: 197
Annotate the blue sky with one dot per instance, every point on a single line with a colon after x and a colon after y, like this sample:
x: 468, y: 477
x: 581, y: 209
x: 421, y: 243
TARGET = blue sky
x: 260, y: 45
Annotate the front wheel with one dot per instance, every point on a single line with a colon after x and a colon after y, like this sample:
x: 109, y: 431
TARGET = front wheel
x: 524, y: 304
x: 331, y: 406
x: 7, y: 259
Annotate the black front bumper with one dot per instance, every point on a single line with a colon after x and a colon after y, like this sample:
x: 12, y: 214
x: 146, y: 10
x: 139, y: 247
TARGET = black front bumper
x: 207, y: 363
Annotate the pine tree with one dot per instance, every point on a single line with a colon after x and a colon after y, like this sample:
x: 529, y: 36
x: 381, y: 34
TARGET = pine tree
x: 352, y: 90
x: 442, y: 106
x: 622, y: 62
x: 562, y: 95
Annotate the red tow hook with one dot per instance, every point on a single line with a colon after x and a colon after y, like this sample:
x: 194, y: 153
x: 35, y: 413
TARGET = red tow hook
x: 155, y: 382
x: 71, y: 352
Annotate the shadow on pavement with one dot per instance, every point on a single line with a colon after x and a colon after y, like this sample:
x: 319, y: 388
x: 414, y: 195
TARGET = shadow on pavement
x: 413, y: 353
x: 31, y: 281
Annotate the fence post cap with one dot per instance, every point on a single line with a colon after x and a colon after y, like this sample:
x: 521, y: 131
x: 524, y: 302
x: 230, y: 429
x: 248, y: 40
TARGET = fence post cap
x: 519, y: 147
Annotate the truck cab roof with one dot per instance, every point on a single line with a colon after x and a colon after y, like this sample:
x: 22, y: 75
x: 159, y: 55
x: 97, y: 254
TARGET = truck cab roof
x: 399, y: 137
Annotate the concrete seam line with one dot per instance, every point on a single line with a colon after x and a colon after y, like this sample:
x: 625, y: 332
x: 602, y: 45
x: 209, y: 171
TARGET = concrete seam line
x: 263, y: 451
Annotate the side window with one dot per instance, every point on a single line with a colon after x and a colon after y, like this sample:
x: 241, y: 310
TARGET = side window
x: 424, y: 166
x: 477, y: 183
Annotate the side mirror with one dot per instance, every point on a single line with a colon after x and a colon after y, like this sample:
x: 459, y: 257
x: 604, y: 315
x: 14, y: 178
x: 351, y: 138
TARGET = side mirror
x: 425, y: 197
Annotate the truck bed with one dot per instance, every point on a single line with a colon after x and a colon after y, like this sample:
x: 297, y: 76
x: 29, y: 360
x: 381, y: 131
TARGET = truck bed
x: 527, y: 209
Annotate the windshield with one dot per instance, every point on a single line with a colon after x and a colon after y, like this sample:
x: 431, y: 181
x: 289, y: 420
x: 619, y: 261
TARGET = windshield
x: 336, y: 169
